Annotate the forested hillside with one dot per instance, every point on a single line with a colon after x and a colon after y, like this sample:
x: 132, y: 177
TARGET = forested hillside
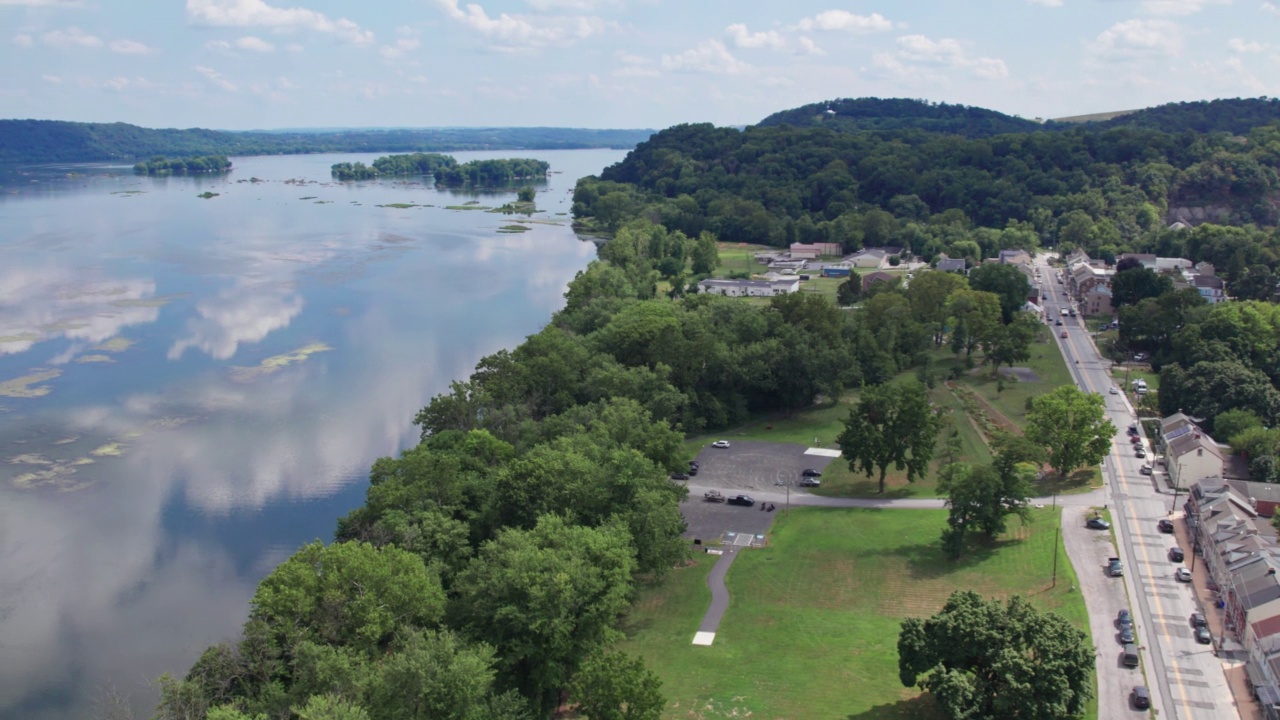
x: 1231, y: 115
x: 42, y: 141
x: 858, y: 114
x: 1106, y: 192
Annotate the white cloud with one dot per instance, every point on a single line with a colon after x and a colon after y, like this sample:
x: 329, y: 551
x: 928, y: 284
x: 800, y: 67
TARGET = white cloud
x: 916, y: 53
x: 575, y: 5
x: 216, y: 78
x: 1272, y: 8
x: 22, y: 40
x: 254, y: 44
x: 131, y: 47
x: 294, y: 48
x: 1137, y: 38
x: 52, y: 79
x: 401, y: 46
x: 845, y: 20
x: 633, y: 65
x: 1046, y: 3
x: 71, y: 37
x: 257, y: 13
x: 41, y: 3
x: 808, y: 46
x: 243, y: 314
x: 1245, y: 46
x: 711, y: 56
x: 510, y: 32
x: 743, y: 38
x: 1179, y: 7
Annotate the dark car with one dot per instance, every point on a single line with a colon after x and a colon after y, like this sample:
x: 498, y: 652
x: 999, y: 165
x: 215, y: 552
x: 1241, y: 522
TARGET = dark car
x: 1176, y: 555
x: 746, y: 500
x: 1197, y: 620
x: 1145, y: 469
x: 679, y: 476
x: 1139, y: 452
x: 1124, y: 620
x: 1141, y: 698
x: 1126, y: 635
x: 1134, y: 439
x: 692, y: 471
x: 693, y: 465
x: 1202, y: 635
x: 1133, y: 429
x: 1165, y: 526
x: 1097, y: 523
x: 810, y: 472
x: 1057, y: 322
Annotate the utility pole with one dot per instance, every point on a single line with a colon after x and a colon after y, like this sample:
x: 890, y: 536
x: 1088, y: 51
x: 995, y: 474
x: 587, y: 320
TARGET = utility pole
x: 1056, y: 532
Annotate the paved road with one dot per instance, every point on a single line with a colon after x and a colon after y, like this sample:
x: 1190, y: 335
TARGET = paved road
x: 1187, y: 678
x: 802, y: 498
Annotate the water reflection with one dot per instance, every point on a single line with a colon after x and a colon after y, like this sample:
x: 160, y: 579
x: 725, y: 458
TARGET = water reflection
x: 143, y: 497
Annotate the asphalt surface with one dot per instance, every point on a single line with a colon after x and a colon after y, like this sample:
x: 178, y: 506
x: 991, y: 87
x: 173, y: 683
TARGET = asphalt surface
x: 1187, y: 679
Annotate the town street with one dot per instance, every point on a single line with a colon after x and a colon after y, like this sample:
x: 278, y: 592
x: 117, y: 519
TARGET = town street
x: 1186, y: 678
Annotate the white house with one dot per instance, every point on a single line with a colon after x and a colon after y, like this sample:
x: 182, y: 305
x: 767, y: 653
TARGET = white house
x: 1190, y: 455
x: 749, y: 288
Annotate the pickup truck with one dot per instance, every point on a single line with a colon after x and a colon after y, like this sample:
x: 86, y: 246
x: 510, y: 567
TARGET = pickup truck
x: 713, y: 496
x: 1115, y: 568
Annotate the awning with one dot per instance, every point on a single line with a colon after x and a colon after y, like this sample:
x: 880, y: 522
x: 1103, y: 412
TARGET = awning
x: 1268, y: 694
x: 1256, y: 677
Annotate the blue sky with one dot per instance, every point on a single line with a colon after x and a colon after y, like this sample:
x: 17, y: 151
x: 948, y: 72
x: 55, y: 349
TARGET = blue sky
x: 241, y: 64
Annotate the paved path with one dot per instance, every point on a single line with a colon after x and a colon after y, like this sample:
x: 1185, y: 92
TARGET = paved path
x: 800, y: 498
x: 719, y: 593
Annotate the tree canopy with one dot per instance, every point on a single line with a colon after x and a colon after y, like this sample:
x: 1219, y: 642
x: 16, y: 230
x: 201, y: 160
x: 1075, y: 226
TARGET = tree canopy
x: 1071, y: 426
x: 892, y: 425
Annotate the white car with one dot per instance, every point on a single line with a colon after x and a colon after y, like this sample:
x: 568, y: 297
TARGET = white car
x: 1182, y: 575
x: 720, y: 444
x: 1113, y: 390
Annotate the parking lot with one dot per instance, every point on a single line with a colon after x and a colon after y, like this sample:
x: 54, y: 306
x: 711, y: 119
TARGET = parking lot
x: 743, y: 467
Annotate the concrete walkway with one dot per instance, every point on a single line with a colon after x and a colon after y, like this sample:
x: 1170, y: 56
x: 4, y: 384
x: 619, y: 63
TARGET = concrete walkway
x: 719, y: 598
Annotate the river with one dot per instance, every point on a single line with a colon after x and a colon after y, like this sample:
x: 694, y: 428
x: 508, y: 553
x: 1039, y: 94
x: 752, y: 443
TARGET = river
x: 192, y: 387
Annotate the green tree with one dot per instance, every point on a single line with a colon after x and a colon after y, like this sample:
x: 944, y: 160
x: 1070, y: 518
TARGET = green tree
x: 327, y: 707
x: 1007, y: 282
x: 1231, y: 423
x: 1071, y: 426
x: 1131, y: 286
x: 977, y: 317
x: 981, y: 499
x: 850, y: 291
x: 928, y: 293
x: 614, y: 686
x: 526, y: 194
x: 892, y: 425
x: 432, y: 676
x: 982, y: 659
x: 704, y: 254
x: 546, y: 599
x: 1011, y: 344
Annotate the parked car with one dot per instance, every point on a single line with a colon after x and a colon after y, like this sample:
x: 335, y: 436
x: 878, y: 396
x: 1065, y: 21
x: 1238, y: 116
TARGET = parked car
x: 1197, y: 620
x: 1124, y: 617
x: 693, y: 464
x: 720, y: 444
x: 1141, y: 698
x: 1130, y: 656
x: 693, y: 471
x: 1126, y: 635
x: 1134, y: 439
x: 1175, y: 554
x: 1165, y: 525
x: 1145, y: 469
x: 1064, y: 334
x: 1113, y: 390
x: 1133, y: 429
x: 810, y: 472
x: 1115, y: 568
x: 679, y: 476
x: 1097, y: 523
x: 1139, y: 452
x: 746, y: 500
x: 809, y: 482
x: 1182, y: 575
x: 1203, y: 636
x: 713, y: 496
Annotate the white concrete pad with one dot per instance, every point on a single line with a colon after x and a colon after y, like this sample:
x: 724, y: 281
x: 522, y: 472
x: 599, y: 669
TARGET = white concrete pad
x: 703, y: 638
x: 823, y: 452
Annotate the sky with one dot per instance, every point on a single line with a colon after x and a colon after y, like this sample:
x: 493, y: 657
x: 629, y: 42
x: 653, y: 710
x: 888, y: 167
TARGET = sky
x: 263, y: 64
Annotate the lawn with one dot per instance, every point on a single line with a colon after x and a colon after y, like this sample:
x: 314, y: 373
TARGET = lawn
x: 1009, y: 398
x: 812, y: 628
x: 740, y: 258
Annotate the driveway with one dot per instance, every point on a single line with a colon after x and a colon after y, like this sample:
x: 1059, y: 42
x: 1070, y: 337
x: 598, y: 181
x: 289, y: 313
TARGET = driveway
x: 749, y: 465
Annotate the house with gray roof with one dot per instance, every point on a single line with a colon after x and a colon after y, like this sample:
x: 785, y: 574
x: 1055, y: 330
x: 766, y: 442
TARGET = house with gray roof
x: 749, y: 288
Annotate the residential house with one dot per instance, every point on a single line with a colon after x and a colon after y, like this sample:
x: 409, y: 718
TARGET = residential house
x: 874, y: 277
x: 1086, y: 276
x: 1015, y: 256
x: 836, y: 271
x: 874, y: 257
x: 1172, y: 265
x: 749, y: 288
x: 946, y: 264
x: 1206, y: 268
x: 1148, y: 260
x: 1262, y: 497
x: 1189, y: 453
x: 1210, y: 288
x: 815, y: 250
x: 1252, y: 592
x: 788, y: 265
x: 1097, y: 301
x: 1262, y: 667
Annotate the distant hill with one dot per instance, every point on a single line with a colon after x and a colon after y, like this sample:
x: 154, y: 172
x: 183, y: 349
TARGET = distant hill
x: 1093, y: 117
x: 44, y: 141
x: 858, y: 114
x: 1234, y: 115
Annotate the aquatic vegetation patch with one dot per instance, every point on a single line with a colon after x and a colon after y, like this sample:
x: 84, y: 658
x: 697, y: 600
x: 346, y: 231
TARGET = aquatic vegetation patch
x: 129, y: 193
x: 309, y: 197
x: 206, y: 195
x: 323, y: 202
x: 111, y: 449
x: 400, y: 206
x: 115, y: 345
x: 26, y: 387
x: 513, y: 229
x: 467, y: 207
x: 20, y: 337
x: 94, y: 359
x: 277, y: 362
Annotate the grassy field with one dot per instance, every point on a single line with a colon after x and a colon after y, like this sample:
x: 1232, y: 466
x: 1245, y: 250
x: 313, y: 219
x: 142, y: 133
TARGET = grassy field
x: 812, y: 628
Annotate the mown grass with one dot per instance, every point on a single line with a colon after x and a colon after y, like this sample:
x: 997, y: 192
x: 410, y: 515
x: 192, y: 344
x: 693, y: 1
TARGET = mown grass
x: 812, y: 628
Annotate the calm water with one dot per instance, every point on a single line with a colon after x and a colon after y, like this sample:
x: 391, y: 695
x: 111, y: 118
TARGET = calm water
x: 191, y: 388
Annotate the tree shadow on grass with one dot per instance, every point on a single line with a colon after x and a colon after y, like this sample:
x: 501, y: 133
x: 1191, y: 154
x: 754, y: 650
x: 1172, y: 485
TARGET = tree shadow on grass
x: 1054, y: 484
x: 870, y: 488
x: 920, y: 707
x: 928, y: 562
